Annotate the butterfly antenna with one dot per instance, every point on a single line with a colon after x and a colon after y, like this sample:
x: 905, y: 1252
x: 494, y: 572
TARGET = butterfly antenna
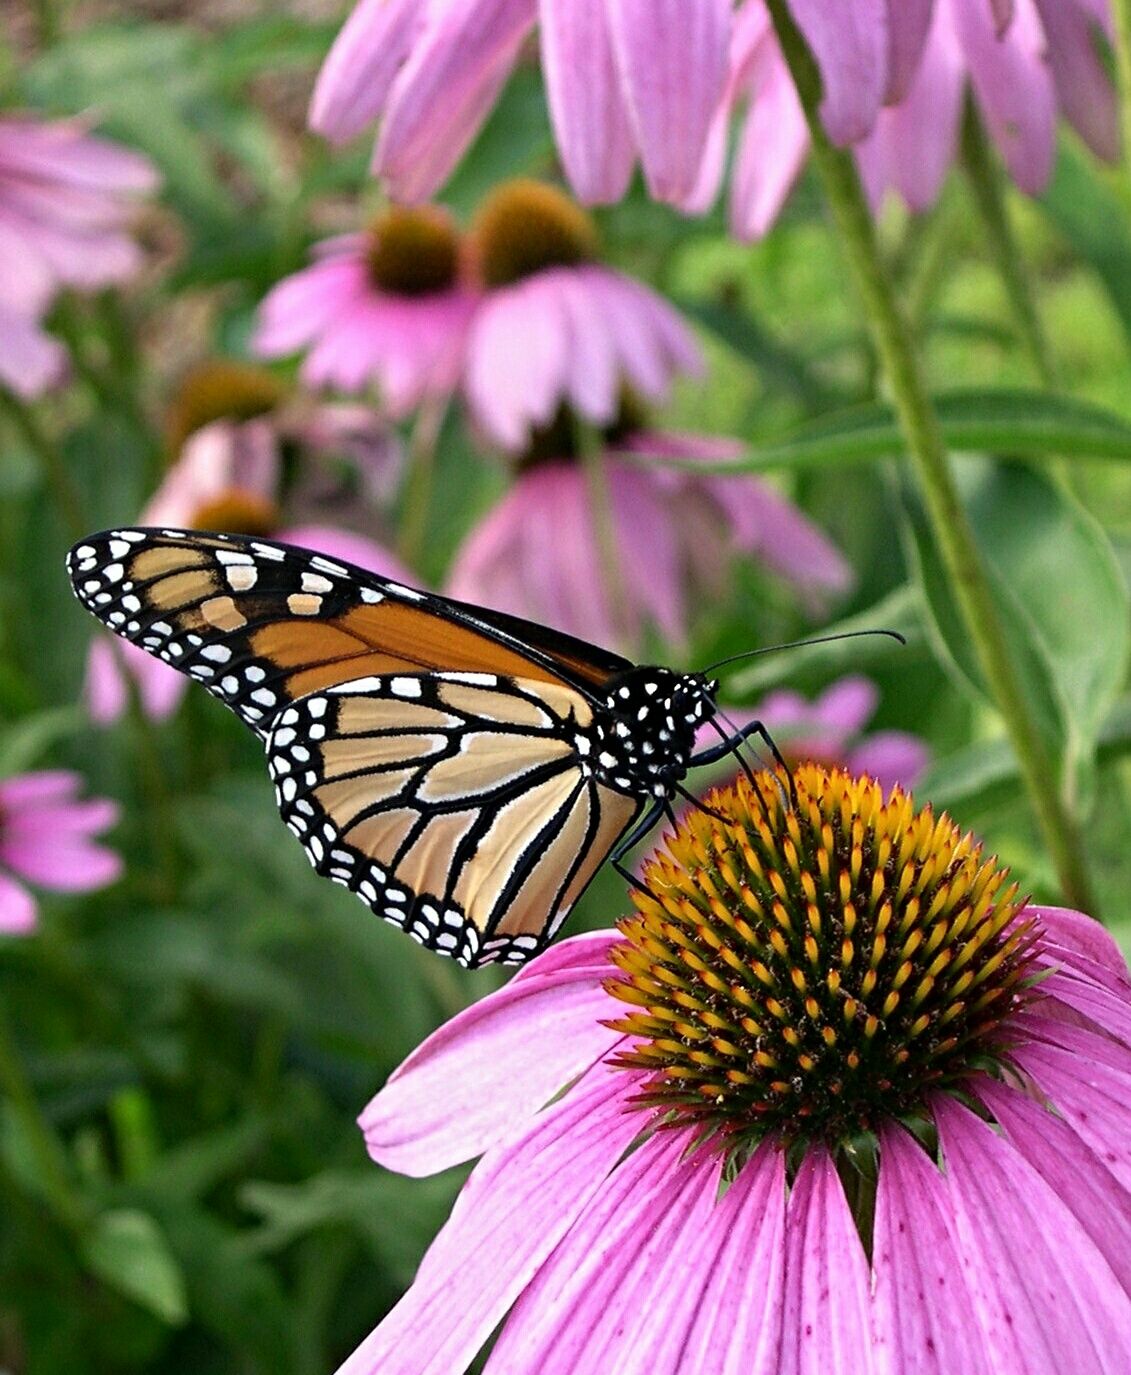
x: 802, y: 644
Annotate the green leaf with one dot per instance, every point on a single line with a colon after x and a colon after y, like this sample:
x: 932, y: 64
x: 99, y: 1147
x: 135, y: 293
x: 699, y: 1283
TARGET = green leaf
x: 1062, y: 602
x: 129, y: 1251
x: 1014, y: 421
x: 24, y: 742
x: 1094, y: 221
x: 901, y: 611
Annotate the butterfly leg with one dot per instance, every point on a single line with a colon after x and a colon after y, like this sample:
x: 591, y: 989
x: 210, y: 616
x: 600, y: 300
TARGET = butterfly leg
x: 647, y: 820
x: 729, y: 745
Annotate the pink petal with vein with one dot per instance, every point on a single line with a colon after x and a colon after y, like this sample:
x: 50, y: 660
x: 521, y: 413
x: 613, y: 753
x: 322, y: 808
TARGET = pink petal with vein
x: 672, y: 56
x: 825, y: 1323
x: 584, y: 94
x: 519, y: 1202
x: 490, y: 1068
x: 1038, y: 1285
x: 851, y: 45
x: 920, y: 1293
x: 354, y: 81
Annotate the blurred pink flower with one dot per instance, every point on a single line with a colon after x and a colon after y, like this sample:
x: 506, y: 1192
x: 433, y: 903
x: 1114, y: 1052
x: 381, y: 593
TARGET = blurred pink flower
x: 1046, y: 62
x: 66, y: 202
x: 830, y: 730
x: 1025, y: 62
x: 538, y: 553
x: 605, y: 1237
x: 45, y: 839
x: 556, y: 326
x: 387, y: 306
x: 625, y: 80
x: 229, y: 477
x: 574, y: 335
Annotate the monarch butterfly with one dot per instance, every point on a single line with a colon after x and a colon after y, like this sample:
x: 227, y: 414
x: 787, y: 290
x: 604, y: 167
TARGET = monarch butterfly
x: 463, y: 771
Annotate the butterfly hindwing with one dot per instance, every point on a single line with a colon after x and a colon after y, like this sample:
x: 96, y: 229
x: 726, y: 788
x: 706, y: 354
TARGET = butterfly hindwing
x: 261, y: 624
x: 454, y: 804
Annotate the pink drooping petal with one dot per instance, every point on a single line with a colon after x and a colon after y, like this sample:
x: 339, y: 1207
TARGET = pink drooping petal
x: 851, y: 45
x: 593, y: 370
x: 1014, y: 87
x: 825, y: 1322
x: 636, y: 1251
x: 652, y: 341
x: 891, y: 757
x: 31, y: 362
x: 51, y: 821
x: 647, y: 556
x: 1087, y: 94
x: 914, y: 144
x: 1088, y: 1087
x: 789, y: 542
x: 301, y: 307
x: 517, y: 358
x: 672, y: 56
x: 27, y: 285
x: 67, y: 864
x: 848, y: 705
x: 584, y: 94
x: 1081, y: 942
x: 350, y: 547
x: 1074, y: 1172
x: 65, y: 151
x: 519, y: 1202
x: 105, y: 690
x: 489, y: 1068
x: 18, y: 909
x: 1038, y: 1285
x: 920, y: 1294
x: 770, y: 156
x: 355, y: 79
x: 444, y: 90
x: 1108, y: 1012
x: 908, y: 24
x: 44, y: 787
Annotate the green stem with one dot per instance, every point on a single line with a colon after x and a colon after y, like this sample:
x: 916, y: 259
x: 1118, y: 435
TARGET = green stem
x: 986, y: 184
x: 51, y: 461
x: 1122, y: 15
x: 421, y: 479
x: 903, y: 371
x: 50, y: 1157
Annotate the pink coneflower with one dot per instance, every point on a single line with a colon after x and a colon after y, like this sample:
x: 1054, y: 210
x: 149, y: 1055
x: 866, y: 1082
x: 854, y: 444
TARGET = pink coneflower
x: 1045, y: 62
x: 231, y: 428
x: 388, y: 306
x: 830, y: 731
x: 626, y: 80
x: 46, y: 839
x: 834, y: 1100
x: 556, y: 325
x: 602, y: 547
x: 1023, y: 62
x: 67, y: 200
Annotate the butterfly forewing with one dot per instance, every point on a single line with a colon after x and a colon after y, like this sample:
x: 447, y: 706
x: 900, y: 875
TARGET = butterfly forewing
x: 261, y: 625
x: 454, y: 804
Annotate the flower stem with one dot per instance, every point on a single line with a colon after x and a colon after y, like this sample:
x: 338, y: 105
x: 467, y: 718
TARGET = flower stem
x: 421, y: 478
x: 1122, y: 15
x: 51, y: 462
x: 50, y: 1157
x: 922, y: 433
x: 985, y: 182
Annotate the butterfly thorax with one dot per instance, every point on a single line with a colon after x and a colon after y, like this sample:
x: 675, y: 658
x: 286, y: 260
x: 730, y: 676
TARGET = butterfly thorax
x: 642, y: 735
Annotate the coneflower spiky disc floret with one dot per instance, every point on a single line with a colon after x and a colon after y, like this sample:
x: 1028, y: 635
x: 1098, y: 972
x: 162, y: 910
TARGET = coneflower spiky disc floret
x: 816, y: 958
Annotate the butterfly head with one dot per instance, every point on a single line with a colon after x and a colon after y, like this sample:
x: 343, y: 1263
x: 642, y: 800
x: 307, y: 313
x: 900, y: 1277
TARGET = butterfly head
x: 645, y: 737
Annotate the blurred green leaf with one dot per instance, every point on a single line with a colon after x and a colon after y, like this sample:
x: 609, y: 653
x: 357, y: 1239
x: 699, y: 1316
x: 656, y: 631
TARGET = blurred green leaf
x: 128, y: 1250
x: 1023, y: 423
x: 1062, y: 602
x: 1094, y: 221
x: 901, y: 611
x: 23, y: 743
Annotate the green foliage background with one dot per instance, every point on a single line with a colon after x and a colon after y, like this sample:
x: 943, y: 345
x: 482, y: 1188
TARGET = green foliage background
x: 200, y: 1037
